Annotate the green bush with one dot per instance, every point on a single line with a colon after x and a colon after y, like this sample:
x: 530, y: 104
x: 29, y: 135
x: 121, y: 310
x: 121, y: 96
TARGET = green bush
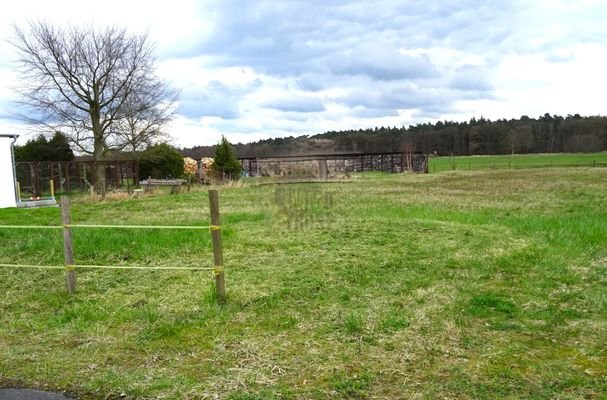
x: 41, y: 149
x: 161, y: 161
x: 225, y: 164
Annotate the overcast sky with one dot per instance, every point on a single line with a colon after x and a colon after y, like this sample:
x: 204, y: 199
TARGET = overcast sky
x: 259, y: 69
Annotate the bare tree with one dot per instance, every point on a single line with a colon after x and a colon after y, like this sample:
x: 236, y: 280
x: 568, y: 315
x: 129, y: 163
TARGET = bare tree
x: 140, y: 125
x: 87, y: 83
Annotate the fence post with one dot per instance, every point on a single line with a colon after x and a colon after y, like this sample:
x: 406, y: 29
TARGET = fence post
x: 68, y: 249
x: 322, y: 170
x: 217, y: 250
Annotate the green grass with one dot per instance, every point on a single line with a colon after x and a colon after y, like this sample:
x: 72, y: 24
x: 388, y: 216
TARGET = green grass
x: 517, y: 161
x: 464, y: 284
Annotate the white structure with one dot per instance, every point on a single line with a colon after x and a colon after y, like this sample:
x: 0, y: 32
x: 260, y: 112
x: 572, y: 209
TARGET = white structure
x: 8, y: 184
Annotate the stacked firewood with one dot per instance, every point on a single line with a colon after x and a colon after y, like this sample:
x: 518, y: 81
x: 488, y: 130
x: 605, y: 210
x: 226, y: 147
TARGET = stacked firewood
x: 206, y: 163
x: 190, y: 166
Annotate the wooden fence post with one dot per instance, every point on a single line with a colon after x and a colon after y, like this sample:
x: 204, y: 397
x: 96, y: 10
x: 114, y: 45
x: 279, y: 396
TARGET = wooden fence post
x: 217, y: 250
x: 68, y: 249
x: 322, y: 170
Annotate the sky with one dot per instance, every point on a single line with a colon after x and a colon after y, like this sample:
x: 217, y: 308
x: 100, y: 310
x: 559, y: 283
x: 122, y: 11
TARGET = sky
x: 252, y: 70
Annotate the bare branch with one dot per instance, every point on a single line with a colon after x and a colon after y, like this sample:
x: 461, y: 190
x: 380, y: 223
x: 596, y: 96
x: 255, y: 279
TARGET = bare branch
x: 97, y: 86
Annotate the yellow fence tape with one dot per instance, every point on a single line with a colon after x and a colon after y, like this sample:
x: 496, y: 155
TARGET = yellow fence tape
x: 211, y: 227
x: 72, y: 267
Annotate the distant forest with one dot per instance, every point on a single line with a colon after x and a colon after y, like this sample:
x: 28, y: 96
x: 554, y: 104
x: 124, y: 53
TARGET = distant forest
x: 546, y: 134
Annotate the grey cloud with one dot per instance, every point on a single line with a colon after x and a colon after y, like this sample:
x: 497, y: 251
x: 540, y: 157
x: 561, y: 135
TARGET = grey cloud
x: 439, y: 107
x: 424, y: 115
x: 320, y: 43
x: 386, y: 100
x: 272, y: 37
x: 214, y: 100
x: 399, y: 97
x: 274, y: 127
x: 363, y: 112
x: 302, y: 104
x: 296, y: 116
x: 310, y: 83
x: 337, y: 38
x: 470, y: 78
x: 203, y: 106
x: 382, y: 62
x: 285, y: 37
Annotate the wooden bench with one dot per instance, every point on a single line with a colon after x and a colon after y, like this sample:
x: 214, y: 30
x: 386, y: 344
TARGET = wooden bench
x: 175, y: 184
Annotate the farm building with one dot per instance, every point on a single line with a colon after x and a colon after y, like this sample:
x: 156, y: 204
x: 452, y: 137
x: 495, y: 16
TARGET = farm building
x: 333, y: 166
x: 8, y: 184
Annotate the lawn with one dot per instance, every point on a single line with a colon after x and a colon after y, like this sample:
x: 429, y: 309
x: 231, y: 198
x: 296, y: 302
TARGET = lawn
x: 464, y: 285
x: 517, y: 161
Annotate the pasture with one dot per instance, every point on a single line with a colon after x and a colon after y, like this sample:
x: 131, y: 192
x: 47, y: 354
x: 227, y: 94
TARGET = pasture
x: 517, y: 161
x: 466, y: 284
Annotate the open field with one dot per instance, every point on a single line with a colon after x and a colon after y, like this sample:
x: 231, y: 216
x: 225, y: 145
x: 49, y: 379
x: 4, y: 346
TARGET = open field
x: 461, y: 285
x: 517, y: 161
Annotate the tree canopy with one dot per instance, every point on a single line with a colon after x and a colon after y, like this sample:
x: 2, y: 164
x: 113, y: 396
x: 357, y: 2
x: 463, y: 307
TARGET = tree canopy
x: 161, y: 161
x: 41, y: 149
x: 88, y: 83
x: 225, y: 164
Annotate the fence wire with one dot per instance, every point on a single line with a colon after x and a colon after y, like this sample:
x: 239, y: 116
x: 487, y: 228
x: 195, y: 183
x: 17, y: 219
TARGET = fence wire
x: 172, y: 227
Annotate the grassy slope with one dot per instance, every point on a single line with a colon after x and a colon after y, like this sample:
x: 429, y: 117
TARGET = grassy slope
x: 517, y: 161
x: 454, y: 285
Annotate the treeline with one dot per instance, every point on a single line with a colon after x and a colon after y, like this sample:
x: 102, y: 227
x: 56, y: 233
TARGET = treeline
x: 546, y: 134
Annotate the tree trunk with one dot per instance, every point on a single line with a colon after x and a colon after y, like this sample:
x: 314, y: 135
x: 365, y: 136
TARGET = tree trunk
x: 98, y: 156
x: 98, y: 152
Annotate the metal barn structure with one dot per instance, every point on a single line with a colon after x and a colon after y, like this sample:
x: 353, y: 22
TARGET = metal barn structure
x: 333, y: 166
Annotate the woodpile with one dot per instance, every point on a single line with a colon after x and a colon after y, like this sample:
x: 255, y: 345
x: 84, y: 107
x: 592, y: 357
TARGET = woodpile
x: 190, y: 166
x: 205, y: 168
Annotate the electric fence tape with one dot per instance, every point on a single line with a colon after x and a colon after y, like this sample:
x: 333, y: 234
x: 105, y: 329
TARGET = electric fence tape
x: 77, y: 266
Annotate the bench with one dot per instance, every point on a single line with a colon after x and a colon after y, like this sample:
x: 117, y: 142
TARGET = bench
x: 175, y: 184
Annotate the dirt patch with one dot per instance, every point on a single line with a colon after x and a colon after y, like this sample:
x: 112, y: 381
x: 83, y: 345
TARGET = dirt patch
x: 27, y: 394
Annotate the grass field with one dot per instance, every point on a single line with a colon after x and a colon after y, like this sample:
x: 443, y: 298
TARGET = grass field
x: 517, y: 161
x: 460, y: 285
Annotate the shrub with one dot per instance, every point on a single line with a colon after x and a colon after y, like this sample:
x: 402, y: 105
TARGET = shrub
x: 225, y: 165
x: 161, y: 161
x: 41, y: 149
